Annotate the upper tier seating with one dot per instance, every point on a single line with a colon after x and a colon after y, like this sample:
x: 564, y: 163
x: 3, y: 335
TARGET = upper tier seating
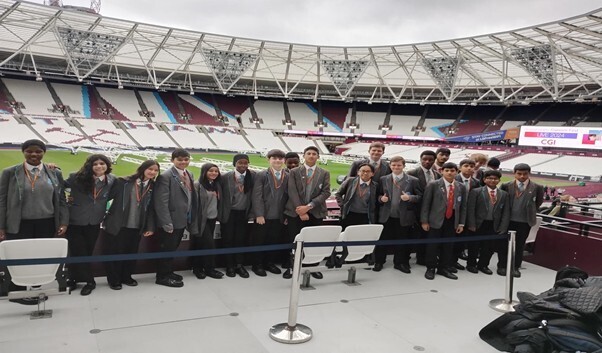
x: 586, y: 166
x: 154, y: 103
x: 270, y: 112
x: 148, y: 135
x: 434, y: 127
x: 297, y: 144
x: 124, y: 100
x: 590, y: 124
x: 403, y: 124
x: 322, y: 146
x: 369, y: 122
x: 13, y: 132
x: 189, y: 137
x: 104, y: 133
x: 303, y: 116
x: 264, y: 140
x: 336, y: 115
x: 5, y: 107
x: 201, y: 113
x: 228, y: 139
x: 34, y: 95
x: 532, y: 159
x: 510, y: 124
x: 57, y: 131
x: 71, y: 96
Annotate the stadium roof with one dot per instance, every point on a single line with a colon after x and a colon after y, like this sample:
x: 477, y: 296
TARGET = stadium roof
x: 557, y: 61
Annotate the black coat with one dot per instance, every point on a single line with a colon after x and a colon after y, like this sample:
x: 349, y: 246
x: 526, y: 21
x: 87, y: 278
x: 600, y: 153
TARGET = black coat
x: 118, y: 213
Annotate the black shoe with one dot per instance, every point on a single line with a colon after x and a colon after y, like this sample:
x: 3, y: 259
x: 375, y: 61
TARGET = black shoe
x: 242, y: 272
x: 215, y: 274
x: 28, y: 301
x: 516, y: 273
x: 115, y: 286
x: 377, y: 267
x: 463, y: 255
x: 169, y: 282
x: 259, y: 271
x: 403, y: 268
x: 72, y: 285
x: 452, y: 269
x: 88, y: 288
x: 317, y: 275
x: 459, y: 267
x: 288, y: 274
x: 230, y: 272
x: 501, y: 271
x: 130, y: 282
x: 472, y: 269
x: 486, y: 270
x: 199, y: 273
x: 445, y: 273
x: 273, y: 269
x: 176, y: 276
x: 330, y: 262
x: 430, y: 274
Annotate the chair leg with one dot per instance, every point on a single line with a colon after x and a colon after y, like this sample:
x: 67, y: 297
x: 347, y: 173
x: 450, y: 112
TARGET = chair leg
x: 305, y: 285
x: 41, y: 313
x: 351, y: 277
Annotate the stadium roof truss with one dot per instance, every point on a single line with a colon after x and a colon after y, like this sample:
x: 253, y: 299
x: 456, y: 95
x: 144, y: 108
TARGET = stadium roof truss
x: 558, y: 61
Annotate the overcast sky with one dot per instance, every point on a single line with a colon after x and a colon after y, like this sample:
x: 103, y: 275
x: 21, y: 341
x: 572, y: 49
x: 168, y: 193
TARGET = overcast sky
x: 345, y: 22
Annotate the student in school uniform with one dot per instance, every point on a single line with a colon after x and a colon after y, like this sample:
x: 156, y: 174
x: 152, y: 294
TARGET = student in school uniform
x: 399, y: 198
x: 443, y: 215
x: 381, y: 167
x: 32, y: 201
x: 130, y: 216
x: 443, y: 154
x: 291, y: 160
x: 237, y: 189
x: 88, y: 198
x: 465, y: 177
x: 525, y: 199
x: 270, y: 194
x: 308, y: 190
x: 175, y: 203
x: 208, y: 189
x: 488, y: 213
x: 357, y: 198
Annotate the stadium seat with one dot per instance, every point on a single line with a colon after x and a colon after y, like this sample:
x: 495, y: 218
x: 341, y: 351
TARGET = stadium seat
x: 315, y: 255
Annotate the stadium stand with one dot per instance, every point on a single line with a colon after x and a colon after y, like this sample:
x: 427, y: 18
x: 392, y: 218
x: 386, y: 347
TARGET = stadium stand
x: 322, y: 146
x: 335, y: 115
x: 189, y: 137
x: 58, y: 131
x: 589, y: 124
x: 510, y: 124
x: 369, y: 121
x: 228, y: 139
x: 297, y: 144
x: 403, y: 124
x: 123, y: 100
x: 154, y: 104
x: 232, y: 106
x: 11, y: 131
x: 434, y: 127
x: 72, y: 97
x: 532, y: 159
x: 34, y: 95
x: 105, y: 133
x: 270, y: 112
x: 198, y: 111
x: 264, y: 140
x: 355, y: 148
x: 584, y: 166
x: 304, y: 116
x: 148, y: 135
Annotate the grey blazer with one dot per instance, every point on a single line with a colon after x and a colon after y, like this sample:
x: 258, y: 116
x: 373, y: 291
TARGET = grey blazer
x: 199, y: 220
x: 226, y: 200
x: 434, y: 204
x: 479, y: 205
x: 120, y: 208
x: 419, y: 173
x: 383, y: 169
x: 84, y: 210
x: 262, y: 194
x: 474, y: 183
x: 408, y: 210
x: 346, y: 192
x: 171, y: 200
x: 534, y: 193
x: 318, y: 196
x: 11, y: 189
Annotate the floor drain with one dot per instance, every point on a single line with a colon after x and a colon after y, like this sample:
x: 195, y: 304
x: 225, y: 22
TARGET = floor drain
x: 344, y: 301
x: 434, y: 291
x: 95, y: 331
x: 419, y: 348
x: 233, y: 314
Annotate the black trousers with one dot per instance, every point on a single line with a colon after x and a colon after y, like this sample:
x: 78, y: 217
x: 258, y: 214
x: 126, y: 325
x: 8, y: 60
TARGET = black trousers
x: 522, y: 232
x: 394, y: 231
x: 461, y: 246
x: 442, y: 251
x: 82, y: 240
x: 125, y: 242
x: 32, y: 229
x: 234, y: 235
x: 295, y: 224
x: 270, y: 233
x: 483, y: 250
x: 167, y: 242
x: 420, y: 249
x: 204, y: 241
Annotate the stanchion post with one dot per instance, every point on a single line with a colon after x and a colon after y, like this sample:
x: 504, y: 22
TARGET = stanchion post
x: 291, y: 331
x: 507, y: 304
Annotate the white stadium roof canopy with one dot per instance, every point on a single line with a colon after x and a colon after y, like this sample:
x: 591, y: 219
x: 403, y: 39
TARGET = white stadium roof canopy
x: 557, y: 61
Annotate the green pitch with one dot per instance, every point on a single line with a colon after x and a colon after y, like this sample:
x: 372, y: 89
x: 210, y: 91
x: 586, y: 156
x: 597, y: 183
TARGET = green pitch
x: 70, y: 163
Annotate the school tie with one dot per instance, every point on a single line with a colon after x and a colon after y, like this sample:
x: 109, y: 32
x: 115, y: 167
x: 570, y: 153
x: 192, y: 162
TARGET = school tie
x: 492, y: 197
x: 397, y: 179
x: 186, y: 180
x: 277, y: 175
x: 521, y: 186
x: 467, y: 184
x: 450, y: 202
x: 429, y: 177
x: 310, y: 172
x: 34, y: 171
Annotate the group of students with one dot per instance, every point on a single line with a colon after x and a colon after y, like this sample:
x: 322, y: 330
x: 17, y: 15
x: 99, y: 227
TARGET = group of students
x: 438, y: 199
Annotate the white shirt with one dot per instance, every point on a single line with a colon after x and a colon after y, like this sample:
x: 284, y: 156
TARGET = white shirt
x: 308, y: 168
x: 397, y: 176
x: 428, y: 172
x: 447, y: 185
x: 238, y: 175
x: 182, y: 173
x: 30, y: 167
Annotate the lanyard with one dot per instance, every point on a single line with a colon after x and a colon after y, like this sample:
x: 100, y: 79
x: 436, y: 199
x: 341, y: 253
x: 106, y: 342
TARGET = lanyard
x: 139, y: 197
x: 313, y: 174
x: 96, y: 192
x: 241, y: 187
x: 276, y: 185
x: 359, y: 189
x: 31, y: 181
